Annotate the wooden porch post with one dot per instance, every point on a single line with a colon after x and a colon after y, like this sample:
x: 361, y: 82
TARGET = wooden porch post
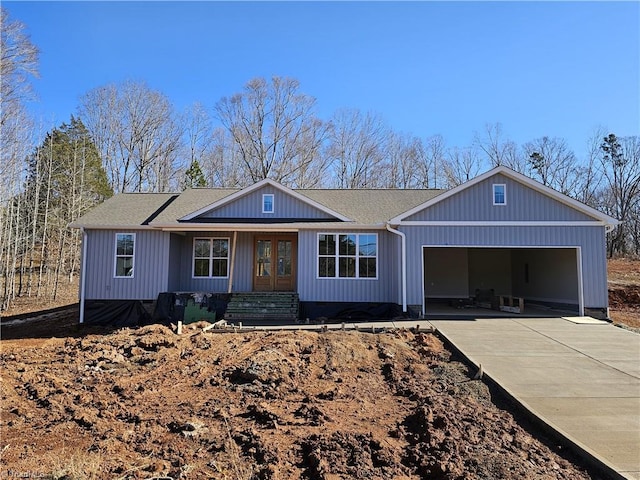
x: 233, y: 261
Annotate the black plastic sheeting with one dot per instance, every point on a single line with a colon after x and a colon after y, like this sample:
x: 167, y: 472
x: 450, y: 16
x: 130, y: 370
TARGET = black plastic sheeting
x: 170, y: 306
x: 349, y: 311
x: 116, y: 313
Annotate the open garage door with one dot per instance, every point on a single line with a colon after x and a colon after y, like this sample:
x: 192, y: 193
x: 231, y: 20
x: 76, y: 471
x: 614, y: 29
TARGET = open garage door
x: 546, y: 278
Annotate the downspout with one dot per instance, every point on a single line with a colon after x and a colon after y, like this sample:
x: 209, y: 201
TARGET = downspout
x: 403, y: 264
x: 233, y: 261
x: 83, y: 273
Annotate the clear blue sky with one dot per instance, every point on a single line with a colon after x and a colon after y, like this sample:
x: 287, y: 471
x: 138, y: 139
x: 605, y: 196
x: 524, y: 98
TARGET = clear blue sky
x: 539, y: 68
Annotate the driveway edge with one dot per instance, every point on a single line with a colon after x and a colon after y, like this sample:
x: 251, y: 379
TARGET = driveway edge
x: 591, y: 458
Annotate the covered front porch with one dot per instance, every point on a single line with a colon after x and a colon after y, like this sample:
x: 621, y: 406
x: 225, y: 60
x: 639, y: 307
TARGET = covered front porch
x: 233, y: 261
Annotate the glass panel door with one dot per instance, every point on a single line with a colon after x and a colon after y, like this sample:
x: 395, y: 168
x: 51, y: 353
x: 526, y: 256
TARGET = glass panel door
x: 263, y: 258
x: 286, y: 263
x: 262, y: 271
x: 274, y: 267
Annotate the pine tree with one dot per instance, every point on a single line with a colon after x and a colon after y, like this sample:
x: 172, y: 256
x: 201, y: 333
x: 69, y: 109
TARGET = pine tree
x: 194, y: 177
x: 65, y: 179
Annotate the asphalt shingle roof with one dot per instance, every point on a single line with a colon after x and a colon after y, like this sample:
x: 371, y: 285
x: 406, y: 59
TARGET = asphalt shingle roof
x: 123, y: 210
x: 363, y: 206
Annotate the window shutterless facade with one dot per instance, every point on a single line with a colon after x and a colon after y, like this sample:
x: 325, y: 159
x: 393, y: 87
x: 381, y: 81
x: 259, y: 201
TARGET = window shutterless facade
x: 499, y: 194
x: 125, y: 255
x: 350, y: 255
x: 267, y: 203
x: 210, y: 257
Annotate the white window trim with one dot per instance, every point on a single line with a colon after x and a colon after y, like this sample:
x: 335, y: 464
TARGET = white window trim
x: 116, y: 256
x: 273, y: 205
x: 337, y: 256
x: 211, y: 258
x: 504, y: 186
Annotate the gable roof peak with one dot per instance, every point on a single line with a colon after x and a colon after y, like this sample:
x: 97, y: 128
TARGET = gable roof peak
x: 258, y: 185
x: 518, y: 177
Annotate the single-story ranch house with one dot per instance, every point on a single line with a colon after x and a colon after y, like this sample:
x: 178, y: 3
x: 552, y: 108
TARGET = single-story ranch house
x: 500, y: 236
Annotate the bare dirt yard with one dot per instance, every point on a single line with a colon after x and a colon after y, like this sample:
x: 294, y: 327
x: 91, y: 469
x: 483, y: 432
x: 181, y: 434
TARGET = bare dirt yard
x: 148, y: 403
x: 143, y: 403
x: 624, y: 291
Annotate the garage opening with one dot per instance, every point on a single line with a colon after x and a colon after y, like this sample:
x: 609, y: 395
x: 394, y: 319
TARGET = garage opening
x: 488, y: 278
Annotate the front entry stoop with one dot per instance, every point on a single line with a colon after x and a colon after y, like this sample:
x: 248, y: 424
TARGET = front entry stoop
x: 257, y: 306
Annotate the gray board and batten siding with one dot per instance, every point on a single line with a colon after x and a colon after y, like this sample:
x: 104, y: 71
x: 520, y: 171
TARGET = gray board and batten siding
x: 151, y: 269
x: 250, y: 207
x: 532, y: 218
x: 384, y: 288
x: 456, y: 221
x: 523, y: 203
x: 590, y: 240
x: 152, y: 274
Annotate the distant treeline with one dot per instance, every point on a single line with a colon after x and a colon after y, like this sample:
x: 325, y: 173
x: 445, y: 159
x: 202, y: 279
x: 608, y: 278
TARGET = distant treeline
x: 128, y: 137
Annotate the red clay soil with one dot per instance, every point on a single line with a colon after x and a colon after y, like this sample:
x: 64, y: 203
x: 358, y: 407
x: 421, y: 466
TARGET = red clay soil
x: 145, y: 403
x: 624, y: 291
x: 142, y: 403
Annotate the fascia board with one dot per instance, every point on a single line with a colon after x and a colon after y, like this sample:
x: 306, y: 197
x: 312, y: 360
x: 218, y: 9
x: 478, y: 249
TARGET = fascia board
x: 110, y: 227
x: 259, y: 227
x: 507, y: 223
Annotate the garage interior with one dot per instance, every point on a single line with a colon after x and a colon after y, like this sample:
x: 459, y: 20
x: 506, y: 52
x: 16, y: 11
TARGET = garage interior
x: 470, y: 281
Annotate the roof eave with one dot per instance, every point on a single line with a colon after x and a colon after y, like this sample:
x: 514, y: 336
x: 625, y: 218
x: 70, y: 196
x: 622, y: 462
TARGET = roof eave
x: 271, y: 227
x: 89, y: 226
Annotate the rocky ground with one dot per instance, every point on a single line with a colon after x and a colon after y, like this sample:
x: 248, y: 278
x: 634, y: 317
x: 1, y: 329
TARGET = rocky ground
x: 146, y: 403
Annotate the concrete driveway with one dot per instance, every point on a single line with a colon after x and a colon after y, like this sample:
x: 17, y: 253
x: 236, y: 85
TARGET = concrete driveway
x: 581, y: 379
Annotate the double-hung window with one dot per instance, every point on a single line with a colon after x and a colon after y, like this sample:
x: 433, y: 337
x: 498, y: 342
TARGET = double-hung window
x: 125, y: 250
x: 349, y: 255
x: 210, y: 257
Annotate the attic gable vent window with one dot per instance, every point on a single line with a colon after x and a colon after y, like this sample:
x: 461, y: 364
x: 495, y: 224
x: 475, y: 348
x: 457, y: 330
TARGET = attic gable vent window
x: 499, y: 194
x: 267, y: 203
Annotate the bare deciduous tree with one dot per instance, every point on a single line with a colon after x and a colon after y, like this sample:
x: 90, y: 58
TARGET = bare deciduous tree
x: 552, y: 163
x: 275, y: 130
x: 405, y: 157
x: 18, y: 64
x: 493, y: 143
x: 137, y: 135
x: 461, y: 165
x: 224, y: 167
x: 357, y: 148
x: 431, y: 167
x: 199, y: 139
x: 621, y: 169
x: 588, y: 187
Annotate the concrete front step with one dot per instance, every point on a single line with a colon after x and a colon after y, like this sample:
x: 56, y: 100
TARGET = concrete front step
x: 263, y: 306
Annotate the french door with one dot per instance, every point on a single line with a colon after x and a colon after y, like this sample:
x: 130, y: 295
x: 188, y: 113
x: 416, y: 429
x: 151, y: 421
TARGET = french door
x: 274, y: 266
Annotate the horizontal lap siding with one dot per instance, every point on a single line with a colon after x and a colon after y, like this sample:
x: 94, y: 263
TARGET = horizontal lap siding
x: 150, y: 267
x: 590, y: 239
x: 476, y: 204
x: 383, y: 289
